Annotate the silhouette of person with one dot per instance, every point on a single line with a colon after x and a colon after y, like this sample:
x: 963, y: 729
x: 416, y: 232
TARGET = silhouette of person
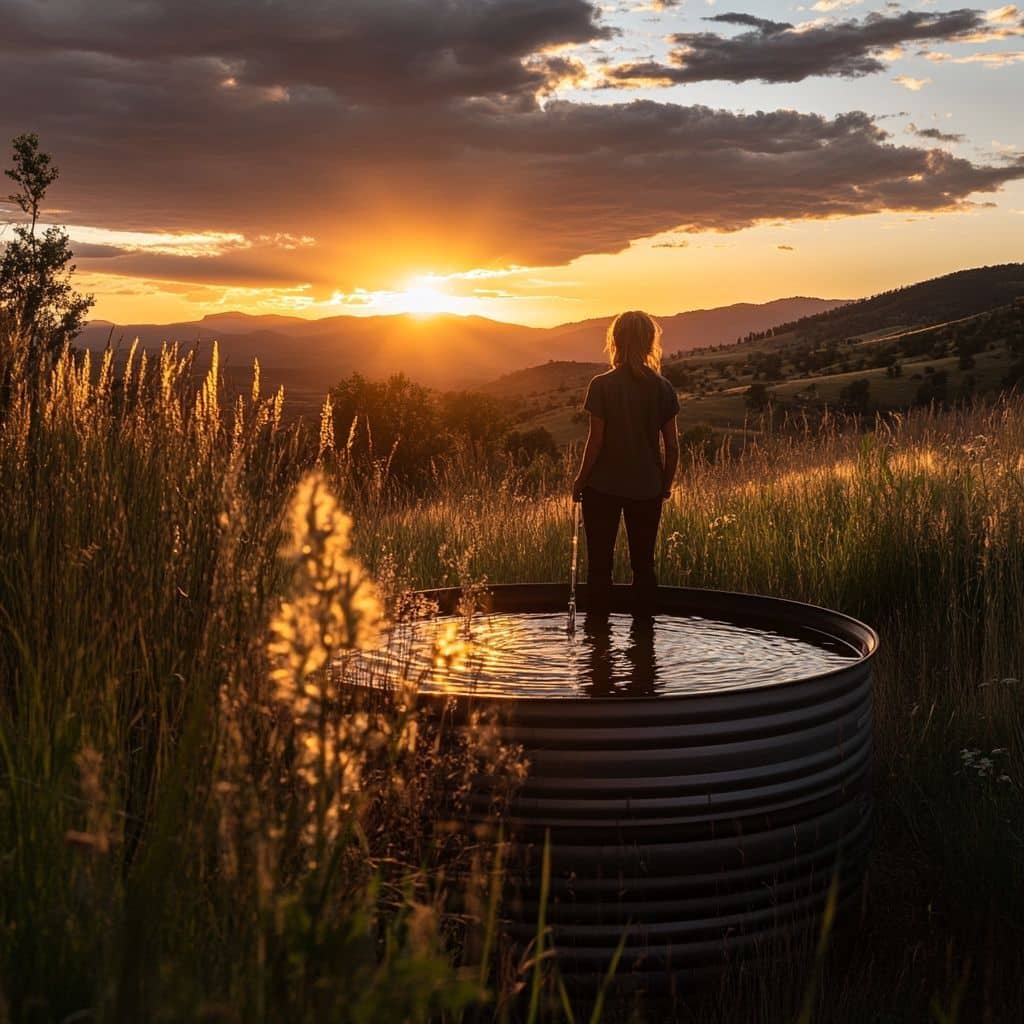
x: 630, y: 459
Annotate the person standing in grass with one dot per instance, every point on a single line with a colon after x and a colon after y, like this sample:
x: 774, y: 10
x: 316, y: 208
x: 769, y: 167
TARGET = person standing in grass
x: 630, y: 458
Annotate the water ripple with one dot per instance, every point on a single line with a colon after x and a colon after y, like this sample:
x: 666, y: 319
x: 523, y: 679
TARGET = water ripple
x: 530, y: 655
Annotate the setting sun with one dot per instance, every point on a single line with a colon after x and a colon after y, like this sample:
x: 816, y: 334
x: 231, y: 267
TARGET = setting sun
x: 423, y: 299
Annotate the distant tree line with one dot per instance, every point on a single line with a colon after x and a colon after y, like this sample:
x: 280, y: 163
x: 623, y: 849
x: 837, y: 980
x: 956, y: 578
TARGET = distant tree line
x: 409, y: 432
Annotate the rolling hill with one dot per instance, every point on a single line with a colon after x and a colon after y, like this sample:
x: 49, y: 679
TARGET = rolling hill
x: 442, y: 350
x: 940, y: 299
x: 697, y: 328
x: 948, y: 339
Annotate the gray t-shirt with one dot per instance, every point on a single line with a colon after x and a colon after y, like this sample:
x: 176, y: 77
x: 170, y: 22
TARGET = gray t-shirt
x: 634, y: 410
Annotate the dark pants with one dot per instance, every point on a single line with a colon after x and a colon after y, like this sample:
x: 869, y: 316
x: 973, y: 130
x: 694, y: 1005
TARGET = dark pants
x: 601, y: 513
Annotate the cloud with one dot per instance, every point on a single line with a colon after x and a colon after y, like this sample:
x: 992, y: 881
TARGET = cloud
x: 913, y: 84
x: 785, y: 248
x: 935, y: 134
x: 403, y: 50
x: 92, y: 251
x: 476, y: 172
x: 992, y: 60
x: 773, y: 51
x: 1001, y: 23
x: 835, y: 5
x: 1008, y: 15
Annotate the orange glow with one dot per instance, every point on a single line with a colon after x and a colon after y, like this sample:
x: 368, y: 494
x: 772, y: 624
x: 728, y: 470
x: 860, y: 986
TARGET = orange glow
x: 423, y: 300
x: 666, y: 274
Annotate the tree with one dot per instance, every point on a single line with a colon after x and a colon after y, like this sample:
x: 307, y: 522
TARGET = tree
x: 757, y: 397
x: 933, y: 389
x: 473, y: 418
x: 393, y: 423
x: 39, y: 309
x: 856, y: 396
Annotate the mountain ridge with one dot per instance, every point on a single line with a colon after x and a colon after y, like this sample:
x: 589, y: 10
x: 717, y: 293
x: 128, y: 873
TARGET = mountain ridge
x: 440, y: 350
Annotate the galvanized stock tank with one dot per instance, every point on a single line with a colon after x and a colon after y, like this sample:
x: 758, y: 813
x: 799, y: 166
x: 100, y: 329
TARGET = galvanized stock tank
x: 701, y: 824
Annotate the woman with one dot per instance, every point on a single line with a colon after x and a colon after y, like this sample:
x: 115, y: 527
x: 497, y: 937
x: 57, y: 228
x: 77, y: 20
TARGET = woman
x: 624, y: 472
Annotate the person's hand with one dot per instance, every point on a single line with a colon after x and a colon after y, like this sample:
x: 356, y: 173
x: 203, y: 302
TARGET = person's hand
x: 577, y: 489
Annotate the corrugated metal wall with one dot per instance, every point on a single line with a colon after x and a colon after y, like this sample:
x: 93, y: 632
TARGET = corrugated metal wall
x: 703, y: 824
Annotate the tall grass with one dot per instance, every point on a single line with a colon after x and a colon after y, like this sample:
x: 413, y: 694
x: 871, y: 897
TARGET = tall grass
x: 195, y: 825
x: 194, y: 820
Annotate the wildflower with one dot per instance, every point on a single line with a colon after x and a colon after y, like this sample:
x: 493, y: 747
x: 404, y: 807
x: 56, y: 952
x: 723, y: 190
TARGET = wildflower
x: 326, y: 428
x: 719, y: 524
x: 331, y: 605
x: 985, y: 766
x: 334, y: 603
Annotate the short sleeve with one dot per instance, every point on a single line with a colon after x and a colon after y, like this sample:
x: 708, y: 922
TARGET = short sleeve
x: 594, y: 402
x: 670, y: 405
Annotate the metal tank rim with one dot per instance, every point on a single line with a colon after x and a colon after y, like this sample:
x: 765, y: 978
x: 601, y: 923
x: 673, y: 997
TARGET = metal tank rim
x: 729, y: 606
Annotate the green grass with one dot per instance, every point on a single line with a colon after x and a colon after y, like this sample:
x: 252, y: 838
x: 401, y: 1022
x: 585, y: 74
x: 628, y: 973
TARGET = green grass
x: 192, y: 827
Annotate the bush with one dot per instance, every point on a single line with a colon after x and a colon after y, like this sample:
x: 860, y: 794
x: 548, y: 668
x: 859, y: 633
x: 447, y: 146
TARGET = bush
x: 399, y: 431
x: 757, y: 397
x: 526, y: 446
x: 855, y: 397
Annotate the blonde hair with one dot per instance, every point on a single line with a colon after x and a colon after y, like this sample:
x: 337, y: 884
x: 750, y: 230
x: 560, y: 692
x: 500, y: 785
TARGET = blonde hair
x: 634, y: 340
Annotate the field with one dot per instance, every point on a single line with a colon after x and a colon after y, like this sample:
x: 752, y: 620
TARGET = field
x: 195, y: 824
x: 803, y: 371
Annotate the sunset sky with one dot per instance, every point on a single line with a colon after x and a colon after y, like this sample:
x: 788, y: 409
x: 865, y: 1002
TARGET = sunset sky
x: 536, y: 161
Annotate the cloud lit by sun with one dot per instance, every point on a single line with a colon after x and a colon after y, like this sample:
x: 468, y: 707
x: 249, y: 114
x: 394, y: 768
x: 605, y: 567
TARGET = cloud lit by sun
x: 425, y: 295
x: 538, y: 162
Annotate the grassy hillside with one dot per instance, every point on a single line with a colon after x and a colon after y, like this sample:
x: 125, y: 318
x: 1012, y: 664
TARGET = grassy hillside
x: 950, y: 297
x: 803, y: 373
x: 555, y: 376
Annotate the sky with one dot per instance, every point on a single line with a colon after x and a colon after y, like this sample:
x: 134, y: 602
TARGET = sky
x: 535, y: 161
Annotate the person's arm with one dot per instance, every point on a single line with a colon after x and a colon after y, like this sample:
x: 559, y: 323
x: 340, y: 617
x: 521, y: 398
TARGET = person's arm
x: 670, y: 437
x: 595, y: 439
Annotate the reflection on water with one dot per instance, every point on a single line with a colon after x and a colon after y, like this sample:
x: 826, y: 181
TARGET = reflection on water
x: 530, y: 655
x: 628, y: 668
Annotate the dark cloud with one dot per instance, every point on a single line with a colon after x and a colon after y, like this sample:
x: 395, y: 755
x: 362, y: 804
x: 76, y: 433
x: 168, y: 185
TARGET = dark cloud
x: 92, y: 251
x: 256, y: 269
x: 777, y: 52
x: 412, y: 51
x: 935, y: 134
x: 154, y: 137
x: 763, y: 25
